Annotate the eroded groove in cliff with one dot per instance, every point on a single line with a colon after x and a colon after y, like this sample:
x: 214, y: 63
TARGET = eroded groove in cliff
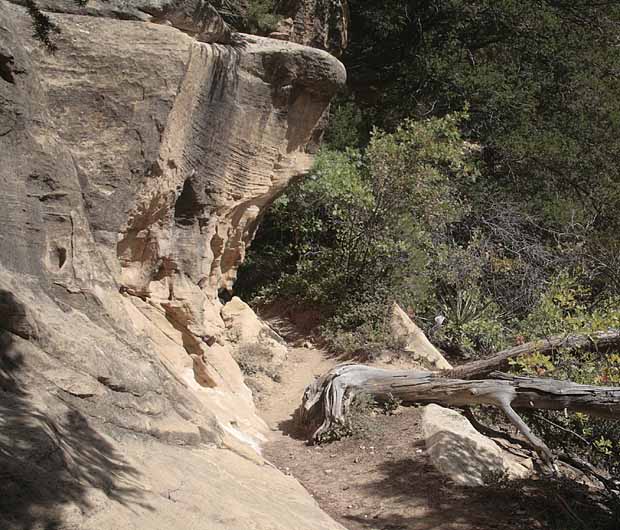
x: 187, y: 207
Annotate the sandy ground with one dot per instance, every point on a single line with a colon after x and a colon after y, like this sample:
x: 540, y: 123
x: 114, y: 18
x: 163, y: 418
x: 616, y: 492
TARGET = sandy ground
x: 380, y: 479
x: 301, y: 367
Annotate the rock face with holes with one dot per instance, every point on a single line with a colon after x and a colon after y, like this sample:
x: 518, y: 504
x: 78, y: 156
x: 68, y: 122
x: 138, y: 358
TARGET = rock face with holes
x: 135, y: 162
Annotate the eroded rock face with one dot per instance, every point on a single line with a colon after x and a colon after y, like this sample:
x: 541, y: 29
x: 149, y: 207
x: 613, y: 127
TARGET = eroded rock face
x: 236, y: 135
x: 318, y: 23
x: 135, y: 163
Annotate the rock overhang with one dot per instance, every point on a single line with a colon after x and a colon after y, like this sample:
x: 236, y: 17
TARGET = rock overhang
x: 118, y: 132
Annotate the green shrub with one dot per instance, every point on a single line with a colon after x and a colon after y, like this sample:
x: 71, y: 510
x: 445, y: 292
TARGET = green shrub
x: 473, y: 326
x: 345, y: 126
x: 261, y: 17
x: 569, y: 306
x: 356, y: 234
x: 361, y: 421
x: 254, y: 16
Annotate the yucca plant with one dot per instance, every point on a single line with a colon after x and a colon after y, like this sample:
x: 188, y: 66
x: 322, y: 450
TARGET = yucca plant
x: 463, y: 308
x: 472, y: 326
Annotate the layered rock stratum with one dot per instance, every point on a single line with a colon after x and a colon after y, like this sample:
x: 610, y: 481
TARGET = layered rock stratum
x: 135, y: 163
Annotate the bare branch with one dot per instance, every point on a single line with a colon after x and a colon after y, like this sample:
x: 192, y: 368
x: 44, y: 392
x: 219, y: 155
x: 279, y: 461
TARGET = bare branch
x: 483, y: 367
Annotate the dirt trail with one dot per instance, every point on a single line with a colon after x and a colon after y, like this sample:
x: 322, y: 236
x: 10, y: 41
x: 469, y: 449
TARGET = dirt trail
x: 302, y: 366
x: 381, y: 479
x: 364, y: 482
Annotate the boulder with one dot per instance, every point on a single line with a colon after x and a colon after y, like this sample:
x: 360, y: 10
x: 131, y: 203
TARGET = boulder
x: 245, y: 328
x: 406, y: 331
x: 464, y: 455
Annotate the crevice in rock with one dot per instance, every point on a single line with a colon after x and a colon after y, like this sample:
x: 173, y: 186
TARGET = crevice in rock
x: 187, y: 207
x: 191, y: 343
x: 57, y: 256
x: 6, y: 68
x: 80, y: 395
x: 61, y: 254
x: 224, y: 295
x: 105, y: 381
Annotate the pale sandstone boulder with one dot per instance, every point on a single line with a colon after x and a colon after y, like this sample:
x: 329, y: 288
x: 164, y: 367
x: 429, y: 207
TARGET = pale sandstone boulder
x: 405, y: 330
x: 464, y: 455
x: 244, y: 328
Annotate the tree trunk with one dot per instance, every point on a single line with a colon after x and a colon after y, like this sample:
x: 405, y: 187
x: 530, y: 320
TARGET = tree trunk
x: 325, y: 403
x: 478, y: 369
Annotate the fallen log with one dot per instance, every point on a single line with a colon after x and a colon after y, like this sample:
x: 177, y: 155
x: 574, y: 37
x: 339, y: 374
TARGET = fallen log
x: 326, y: 401
x: 479, y: 369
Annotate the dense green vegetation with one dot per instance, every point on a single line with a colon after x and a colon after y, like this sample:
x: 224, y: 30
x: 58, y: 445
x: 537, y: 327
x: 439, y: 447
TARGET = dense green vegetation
x: 252, y: 16
x: 470, y: 170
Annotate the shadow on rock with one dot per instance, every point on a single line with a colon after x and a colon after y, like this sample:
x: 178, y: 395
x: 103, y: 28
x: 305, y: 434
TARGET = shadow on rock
x: 52, y: 465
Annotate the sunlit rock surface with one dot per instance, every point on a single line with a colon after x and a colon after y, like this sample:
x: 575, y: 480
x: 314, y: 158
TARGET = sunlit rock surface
x: 135, y: 163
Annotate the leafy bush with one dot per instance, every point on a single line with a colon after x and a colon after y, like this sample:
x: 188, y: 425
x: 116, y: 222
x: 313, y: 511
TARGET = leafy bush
x: 261, y: 17
x: 253, y: 16
x: 566, y: 307
x: 357, y: 233
x: 345, y: 126
x: 361, y: 420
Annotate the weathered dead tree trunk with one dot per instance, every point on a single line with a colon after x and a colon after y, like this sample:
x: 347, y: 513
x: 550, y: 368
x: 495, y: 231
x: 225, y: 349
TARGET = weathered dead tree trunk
x: 478, y: 369
x: 326, y: 401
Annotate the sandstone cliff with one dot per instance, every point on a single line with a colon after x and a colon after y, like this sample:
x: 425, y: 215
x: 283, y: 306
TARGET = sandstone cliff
x: 135, y: 162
